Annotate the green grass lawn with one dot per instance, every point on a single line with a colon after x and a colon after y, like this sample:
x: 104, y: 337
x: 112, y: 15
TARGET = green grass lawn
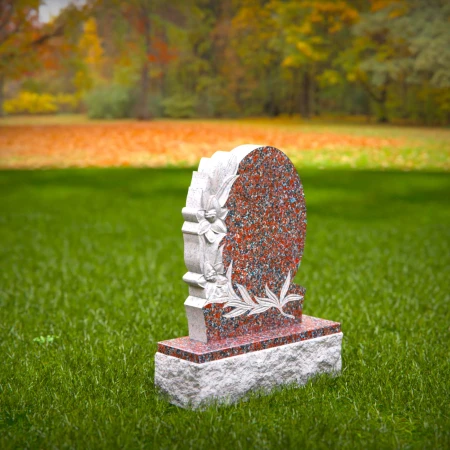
x: 95, y: 257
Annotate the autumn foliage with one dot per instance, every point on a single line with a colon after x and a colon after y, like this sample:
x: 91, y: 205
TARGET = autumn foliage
x: 386, y: 59
x: 160, y: 143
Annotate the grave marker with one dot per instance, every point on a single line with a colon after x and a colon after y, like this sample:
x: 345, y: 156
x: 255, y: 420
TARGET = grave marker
x: 244, y: 234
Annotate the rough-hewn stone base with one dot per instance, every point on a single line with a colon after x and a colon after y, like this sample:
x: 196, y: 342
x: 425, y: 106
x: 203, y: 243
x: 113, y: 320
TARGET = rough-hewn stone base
x: 192, y: 385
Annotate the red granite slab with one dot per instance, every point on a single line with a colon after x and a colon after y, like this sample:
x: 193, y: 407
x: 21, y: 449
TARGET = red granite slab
x: 266, y: 229
x: 266, y: 222
x: 199, y: 352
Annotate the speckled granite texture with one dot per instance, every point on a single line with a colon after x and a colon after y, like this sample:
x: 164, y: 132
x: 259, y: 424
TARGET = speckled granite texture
x: 266, y: 228
x: 219, y: 327
x: 266, y: 221
x: 199, y: 352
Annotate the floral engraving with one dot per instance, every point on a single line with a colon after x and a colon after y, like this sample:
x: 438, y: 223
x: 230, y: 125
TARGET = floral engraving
x: 212, y: 228
x: 211, y: 219
x: 213, y: 279
x: 258, y: 305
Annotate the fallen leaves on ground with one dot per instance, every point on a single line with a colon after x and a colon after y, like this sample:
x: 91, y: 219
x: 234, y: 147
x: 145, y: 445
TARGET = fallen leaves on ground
x: 162, y: 143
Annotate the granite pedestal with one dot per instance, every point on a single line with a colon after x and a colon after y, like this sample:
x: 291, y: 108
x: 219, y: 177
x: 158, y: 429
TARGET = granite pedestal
x: 244, y: 234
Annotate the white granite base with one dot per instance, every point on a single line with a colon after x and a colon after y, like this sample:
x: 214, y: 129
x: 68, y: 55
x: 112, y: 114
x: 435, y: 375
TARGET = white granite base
x: 192, y: 385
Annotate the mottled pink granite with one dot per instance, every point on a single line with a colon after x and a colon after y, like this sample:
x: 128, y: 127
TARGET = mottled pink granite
x: 198, y: 352
x: 266, y: 222
x: 266, y: 228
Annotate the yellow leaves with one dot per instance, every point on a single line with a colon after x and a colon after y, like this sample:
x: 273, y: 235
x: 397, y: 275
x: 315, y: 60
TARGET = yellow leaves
x: 82, y: 81
x: 306, y: 49
x: 400, y: 10
x: 90, y: 43
x: 329, y: 78
x: 352, y: 77
x: 305, y: 28
x: 309, y: 26
x: 397, y: 8
x: 331, y: 14
x: 32, y: 103
x: 92, y: 55
x: 314, y: 54
x: 290, y: 61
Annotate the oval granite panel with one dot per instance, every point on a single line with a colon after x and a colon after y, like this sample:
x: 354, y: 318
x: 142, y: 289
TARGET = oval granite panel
x: 266, y: 222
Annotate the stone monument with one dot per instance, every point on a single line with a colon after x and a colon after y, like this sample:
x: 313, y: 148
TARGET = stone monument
x: 244, y: 234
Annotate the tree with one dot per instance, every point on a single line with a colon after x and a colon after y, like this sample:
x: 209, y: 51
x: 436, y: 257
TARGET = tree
x: 311, y: 30
x: 400, y: 43
x: 147, y: 23
x: 22, y: 36
x: 256, y: 43
x: 91, y: 58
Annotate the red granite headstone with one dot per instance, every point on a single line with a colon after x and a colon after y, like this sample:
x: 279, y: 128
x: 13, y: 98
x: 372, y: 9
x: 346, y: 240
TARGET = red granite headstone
x: 244, y: 239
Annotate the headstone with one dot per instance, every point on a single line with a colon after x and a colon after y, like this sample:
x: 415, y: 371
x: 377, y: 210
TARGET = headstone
x: 244, y: 234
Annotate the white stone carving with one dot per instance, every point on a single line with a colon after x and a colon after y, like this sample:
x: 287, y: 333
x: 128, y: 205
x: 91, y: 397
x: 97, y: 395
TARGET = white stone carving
x: 246, y: 304
x: 204, y: 228
x: 204, y: 225
x: 203, y: 231
x: 227, y: 380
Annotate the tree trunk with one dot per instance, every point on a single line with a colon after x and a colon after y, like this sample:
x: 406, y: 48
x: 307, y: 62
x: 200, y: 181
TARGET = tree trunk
x: 404, y: 99
x: 306, y: 96
x: 143, y: 110
x: 292, y: 99
x: 382, y: 102
x: 379, y: 99
x: 317, y: 105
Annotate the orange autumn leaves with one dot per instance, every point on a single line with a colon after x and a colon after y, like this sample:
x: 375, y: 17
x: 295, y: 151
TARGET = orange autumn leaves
x: 162, y: 143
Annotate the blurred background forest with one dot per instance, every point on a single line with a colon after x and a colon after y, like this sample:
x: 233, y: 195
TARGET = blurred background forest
x: 381, y: 59
x: 355, y: 92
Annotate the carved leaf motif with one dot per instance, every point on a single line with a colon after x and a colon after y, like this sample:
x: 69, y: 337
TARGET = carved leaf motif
x: 203, y: 227
x: 216, y: 300
x: 210, y: 236
x: 234, y: 304
x: 232, y: 165
x: 219, y: 227
x: 291, y: 298
x: 229, y: 270
x: 218, y: 261
x: 245, y: 295
x: 285, y: 287
x: 258, y: 310
x: 219, y: 289
x: 272, y: 296
x: 224, y: 190
x: 236, y: 312
x: 223, y: 214
x: 260, y: 305
x: 231, y: 290
x: 221, y: 280
x: 267, y: 302
x: 210, y: 288
x: 213, y: 203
